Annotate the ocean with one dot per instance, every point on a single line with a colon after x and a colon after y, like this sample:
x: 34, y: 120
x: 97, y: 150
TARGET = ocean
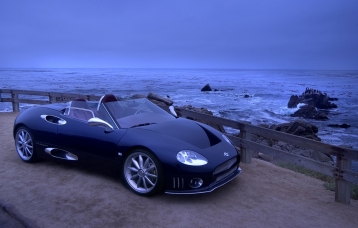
x: 268, y: 90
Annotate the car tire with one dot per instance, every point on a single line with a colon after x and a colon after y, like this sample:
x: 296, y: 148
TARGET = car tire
x: 142, y: 172
x: 25, y: 145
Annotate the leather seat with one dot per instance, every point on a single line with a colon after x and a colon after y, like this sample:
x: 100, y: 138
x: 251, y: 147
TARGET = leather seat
x: 79, y: 109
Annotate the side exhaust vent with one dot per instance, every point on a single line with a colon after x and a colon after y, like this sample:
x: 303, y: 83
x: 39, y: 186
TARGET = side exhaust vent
x: 61, y: 154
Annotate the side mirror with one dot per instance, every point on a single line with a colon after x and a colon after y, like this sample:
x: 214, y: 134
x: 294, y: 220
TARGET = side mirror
x: 101, y: 123
x: 172, y: 111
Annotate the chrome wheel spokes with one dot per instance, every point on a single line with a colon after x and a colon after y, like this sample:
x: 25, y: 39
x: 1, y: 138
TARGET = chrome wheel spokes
x: 24, y: 144
x: 140, y: 172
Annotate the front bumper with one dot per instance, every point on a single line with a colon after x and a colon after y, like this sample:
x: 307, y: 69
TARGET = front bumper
x: 209, y: 188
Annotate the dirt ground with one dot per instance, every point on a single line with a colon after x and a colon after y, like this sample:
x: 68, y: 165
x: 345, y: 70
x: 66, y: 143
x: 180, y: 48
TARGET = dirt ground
x: 53, y: 194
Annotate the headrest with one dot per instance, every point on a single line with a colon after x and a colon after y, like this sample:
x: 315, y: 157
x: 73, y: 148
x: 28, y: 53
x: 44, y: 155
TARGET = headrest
x: 106, y: 98
x: 79, y: 103
x: 79, y: 99
x: 109, y: 98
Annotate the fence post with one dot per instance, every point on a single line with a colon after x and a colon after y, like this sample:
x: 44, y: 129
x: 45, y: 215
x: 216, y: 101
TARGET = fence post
x: 15, y: 104
x: 343, y: 187
x: 52, y: 99
x: 244, y: 152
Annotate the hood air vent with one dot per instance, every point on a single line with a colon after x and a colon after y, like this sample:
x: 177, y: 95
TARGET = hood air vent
x: 212, y: 138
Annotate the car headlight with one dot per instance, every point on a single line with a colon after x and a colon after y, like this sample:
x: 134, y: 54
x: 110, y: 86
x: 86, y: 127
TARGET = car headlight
x: 227, y: 139
x: 189, y: 157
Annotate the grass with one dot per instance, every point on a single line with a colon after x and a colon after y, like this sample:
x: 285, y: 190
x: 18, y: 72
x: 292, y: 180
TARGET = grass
x: 329, y: 181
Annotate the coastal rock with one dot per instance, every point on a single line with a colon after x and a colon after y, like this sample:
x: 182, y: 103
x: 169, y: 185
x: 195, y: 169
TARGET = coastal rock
x: 339, y: 125
x: 299, y: 128
x: 158, y: 98
x: 313, y: 98
x: 293, y: 102
x: 318, y: 156
x: 137, y: 96
x: 246, y: 96
x: 309, y: 112
x: 206, y: 88
x: 195, y: 109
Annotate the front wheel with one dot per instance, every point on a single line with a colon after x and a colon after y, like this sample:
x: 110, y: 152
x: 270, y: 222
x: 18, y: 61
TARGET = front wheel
x: 25, y: 145
x: 142, y: 173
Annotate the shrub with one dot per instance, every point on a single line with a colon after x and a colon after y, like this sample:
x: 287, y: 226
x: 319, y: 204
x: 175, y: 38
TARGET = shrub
x: 329, y: 181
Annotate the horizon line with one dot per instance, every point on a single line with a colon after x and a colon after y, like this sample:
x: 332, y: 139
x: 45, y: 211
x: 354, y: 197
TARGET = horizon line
x: 180, y: 68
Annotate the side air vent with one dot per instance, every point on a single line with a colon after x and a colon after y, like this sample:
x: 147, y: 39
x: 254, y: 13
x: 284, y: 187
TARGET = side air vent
x: 61, y: 154
x: 53, y: 119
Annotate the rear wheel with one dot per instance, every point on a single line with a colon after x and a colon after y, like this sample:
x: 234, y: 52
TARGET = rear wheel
x: 25, y: 145
x: 142, y: 172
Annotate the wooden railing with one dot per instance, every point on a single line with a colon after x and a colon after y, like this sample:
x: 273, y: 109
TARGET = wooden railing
x: 342, y: 171
x: 46, y: 97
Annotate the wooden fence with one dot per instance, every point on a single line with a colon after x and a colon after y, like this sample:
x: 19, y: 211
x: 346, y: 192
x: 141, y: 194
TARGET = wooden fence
x: 342, y: 171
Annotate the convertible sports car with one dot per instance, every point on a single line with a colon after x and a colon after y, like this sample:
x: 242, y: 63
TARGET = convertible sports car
x: 155, y: 150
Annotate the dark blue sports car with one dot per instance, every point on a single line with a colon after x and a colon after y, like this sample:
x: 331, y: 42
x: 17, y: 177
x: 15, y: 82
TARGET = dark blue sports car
x: 155, y: 150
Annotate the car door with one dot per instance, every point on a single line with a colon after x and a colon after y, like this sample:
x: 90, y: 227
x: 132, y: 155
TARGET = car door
x: 43, y: 123
x: 78, y: 136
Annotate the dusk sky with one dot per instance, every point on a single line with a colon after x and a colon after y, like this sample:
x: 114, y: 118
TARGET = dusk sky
x: 237, y: 34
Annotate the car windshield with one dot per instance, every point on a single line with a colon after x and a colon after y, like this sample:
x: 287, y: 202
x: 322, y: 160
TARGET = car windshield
x: 136, y: 112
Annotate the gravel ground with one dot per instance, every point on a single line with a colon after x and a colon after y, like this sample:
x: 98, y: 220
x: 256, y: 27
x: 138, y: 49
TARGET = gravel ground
x: 57, y: 194
x: 7, y: 221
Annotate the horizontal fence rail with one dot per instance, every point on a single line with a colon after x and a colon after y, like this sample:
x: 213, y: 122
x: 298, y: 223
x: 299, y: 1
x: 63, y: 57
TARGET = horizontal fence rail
x: 50, y: 97
x: 342, y: 171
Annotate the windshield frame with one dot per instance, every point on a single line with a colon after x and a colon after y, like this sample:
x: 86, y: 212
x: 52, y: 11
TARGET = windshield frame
x: 135, y: 112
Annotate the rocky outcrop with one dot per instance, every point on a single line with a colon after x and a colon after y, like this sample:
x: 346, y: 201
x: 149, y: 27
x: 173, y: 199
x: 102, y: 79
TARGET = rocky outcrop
x: 313, y: 98
x: 310, y: 112
x: 206, y: 88
x: 137, y: 96
x: 155, y: 98
x: 339, y: 125
x: 299, y: 128
x: 293, y: 102
x: 158, y: 98
x: 195, y: 109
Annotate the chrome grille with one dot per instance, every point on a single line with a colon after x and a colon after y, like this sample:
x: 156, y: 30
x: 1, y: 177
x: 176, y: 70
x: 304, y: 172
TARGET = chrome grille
x: 225, y: 166
x: 230, y: 171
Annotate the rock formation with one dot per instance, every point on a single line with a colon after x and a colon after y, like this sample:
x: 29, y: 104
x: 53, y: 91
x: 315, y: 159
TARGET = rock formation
x: 299, y: 128
x: 310, y: 112
x: 206, y: 88
x: 156, y: 97
x: 339, y: 125
x: 314, y: 98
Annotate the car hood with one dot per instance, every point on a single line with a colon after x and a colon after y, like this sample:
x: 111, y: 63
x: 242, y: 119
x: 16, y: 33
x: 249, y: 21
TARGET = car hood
x: 186, y: 130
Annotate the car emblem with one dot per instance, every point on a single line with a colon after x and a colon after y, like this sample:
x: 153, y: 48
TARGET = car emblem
x: 226, y: 154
